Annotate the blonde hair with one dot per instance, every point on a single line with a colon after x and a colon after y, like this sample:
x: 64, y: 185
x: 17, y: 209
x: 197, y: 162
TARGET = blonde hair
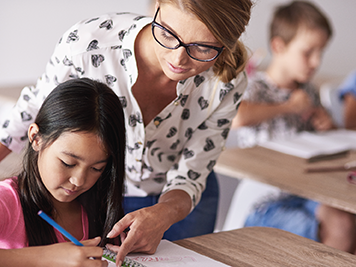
x: 226, y: 20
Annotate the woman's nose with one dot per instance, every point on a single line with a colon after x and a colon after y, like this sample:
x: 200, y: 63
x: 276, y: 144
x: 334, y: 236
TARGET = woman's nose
x: 180, y: 56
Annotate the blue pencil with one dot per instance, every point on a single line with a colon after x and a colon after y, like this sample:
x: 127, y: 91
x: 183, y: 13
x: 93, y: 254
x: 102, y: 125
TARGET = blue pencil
x: 59, y: 228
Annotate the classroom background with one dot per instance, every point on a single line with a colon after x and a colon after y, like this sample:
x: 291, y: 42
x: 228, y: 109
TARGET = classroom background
x: 30, y: 30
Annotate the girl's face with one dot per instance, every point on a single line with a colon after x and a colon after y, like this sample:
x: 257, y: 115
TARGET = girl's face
x: 71, y: 165
x: 176, y: 64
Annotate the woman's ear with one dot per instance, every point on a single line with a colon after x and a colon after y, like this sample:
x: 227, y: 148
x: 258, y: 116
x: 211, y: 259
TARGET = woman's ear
x: 32, y: 136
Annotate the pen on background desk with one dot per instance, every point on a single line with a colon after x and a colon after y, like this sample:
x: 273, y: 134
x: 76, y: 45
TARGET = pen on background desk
x: 349, y: 166
x: 59, y: 228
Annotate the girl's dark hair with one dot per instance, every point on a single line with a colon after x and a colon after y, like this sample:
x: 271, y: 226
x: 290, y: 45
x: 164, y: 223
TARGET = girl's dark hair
x: 78, y: 105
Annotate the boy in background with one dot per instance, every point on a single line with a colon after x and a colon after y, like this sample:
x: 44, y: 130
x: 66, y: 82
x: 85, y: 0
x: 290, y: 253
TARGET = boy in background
x: 348, y: 95
x: 281, y: 102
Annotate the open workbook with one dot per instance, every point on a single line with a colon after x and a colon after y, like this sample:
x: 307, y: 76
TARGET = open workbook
x: 167, y: 254
x: 316, y: 146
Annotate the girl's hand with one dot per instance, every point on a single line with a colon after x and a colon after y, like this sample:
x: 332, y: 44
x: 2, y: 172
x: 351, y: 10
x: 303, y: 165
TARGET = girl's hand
x: 68, y: 254
x: 321, y: 120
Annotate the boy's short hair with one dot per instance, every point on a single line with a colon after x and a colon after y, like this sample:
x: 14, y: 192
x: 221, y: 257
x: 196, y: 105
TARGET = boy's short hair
x: 288, y: 19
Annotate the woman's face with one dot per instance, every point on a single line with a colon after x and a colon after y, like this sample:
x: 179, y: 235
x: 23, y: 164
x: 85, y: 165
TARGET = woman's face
x: 176, y: 64
x: 71, y: 165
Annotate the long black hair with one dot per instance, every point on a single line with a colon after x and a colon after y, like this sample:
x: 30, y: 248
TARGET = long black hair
x: 77, y: 105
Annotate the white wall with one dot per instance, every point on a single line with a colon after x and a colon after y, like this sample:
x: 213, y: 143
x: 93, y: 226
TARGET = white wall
x: 29, y: 31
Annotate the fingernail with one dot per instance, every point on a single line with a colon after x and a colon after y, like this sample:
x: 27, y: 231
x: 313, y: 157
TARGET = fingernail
x: 119, y: 263
x: 109, y: 234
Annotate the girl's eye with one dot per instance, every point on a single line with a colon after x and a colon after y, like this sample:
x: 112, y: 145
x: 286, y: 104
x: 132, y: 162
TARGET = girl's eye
x: 67, y: 165
x: 98, y: 170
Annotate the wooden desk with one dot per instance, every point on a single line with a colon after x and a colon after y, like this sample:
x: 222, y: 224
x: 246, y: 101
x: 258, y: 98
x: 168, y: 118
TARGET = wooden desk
x: 261, y: 246
x: 287, y: 173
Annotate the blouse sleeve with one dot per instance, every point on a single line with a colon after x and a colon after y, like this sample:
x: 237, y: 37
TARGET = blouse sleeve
x: 13, y: 131
x: 202, y: 150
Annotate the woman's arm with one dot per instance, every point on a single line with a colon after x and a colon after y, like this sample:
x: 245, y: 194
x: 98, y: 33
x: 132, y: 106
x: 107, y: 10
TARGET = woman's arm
x: 61, y: 254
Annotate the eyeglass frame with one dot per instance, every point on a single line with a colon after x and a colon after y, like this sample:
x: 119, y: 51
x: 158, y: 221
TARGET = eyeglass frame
x: 180, y: 43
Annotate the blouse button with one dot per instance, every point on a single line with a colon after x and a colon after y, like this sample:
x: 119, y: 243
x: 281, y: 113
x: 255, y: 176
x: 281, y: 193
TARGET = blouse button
x: 156, y: 123
x: 138, y: 160
x: 139, y: 142
x: 176, y: 103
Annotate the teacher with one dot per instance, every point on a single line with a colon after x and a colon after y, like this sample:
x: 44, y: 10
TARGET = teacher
x: 180, y: 79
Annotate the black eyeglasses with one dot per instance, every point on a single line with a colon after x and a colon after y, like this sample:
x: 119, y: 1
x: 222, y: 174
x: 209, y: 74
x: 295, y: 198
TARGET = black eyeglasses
x: 169, y: 40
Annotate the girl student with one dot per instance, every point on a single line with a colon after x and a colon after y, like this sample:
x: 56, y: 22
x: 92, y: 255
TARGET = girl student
x: 73, y: 170
x: 179, y: 77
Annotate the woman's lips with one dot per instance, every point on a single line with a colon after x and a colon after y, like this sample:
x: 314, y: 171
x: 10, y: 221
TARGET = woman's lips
x: 176, y: 69
x: 69, y: 192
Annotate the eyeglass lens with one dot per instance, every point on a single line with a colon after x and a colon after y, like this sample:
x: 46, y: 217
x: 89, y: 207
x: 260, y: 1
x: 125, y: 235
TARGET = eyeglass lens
x: 167, y: 40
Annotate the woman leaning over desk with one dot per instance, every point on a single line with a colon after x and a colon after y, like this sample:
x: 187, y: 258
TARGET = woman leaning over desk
x: 180, y: 80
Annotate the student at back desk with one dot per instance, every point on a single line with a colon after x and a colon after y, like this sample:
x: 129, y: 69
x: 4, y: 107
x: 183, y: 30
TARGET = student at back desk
x: 281, y: 102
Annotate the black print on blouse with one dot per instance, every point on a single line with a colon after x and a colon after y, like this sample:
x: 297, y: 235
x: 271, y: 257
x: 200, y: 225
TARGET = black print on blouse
x: 91, y: 20
x: 93, y: 45
x: 172, y: 132
x: 134, y: 119
x: 193, y: 175
x: 198, y: 80
x: 24, y: 138
x: 237, y: 106
x: 26, y: 98
x: 183, y: 81
x: 185, y: 114
x: 158, y: 120
x: 188, y: 133
x: 183, y: 101
x: 5, y: 124
x: 67, y: 62
x: 211, y: 165
x: 132, y: 168
x: 73, y: 76
x: 80, y: 70
x: 237, y: 97
x: 57, y: 60
x: 222, y: 122
x: 73, y: 36
x: 138, y: 18
x: 96, y: 60
x: 180, y: 177
x: 175, y: 166
x: 171, y: 158
x: 160, y: 156
x: 194, y: 200
x: 116, y: 47
x: 110, y: 79
x: 159, y: 180
x: 227, y: 88
x: 60, y: 40
x: 123, y: 101
x: 149, y: 168
x: 175, y: 145
x: 188, y: 153
x: 122, y: 34
x: 225, y: 133
x: 150, y: 143
x: 203, y: 103
x: 7, y: 141
x: 202, y: 126
x: 154, y: 150
x: 25, y: 116
x: 135, y: 147
x: 209, y: 145
x: 106, y: 24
